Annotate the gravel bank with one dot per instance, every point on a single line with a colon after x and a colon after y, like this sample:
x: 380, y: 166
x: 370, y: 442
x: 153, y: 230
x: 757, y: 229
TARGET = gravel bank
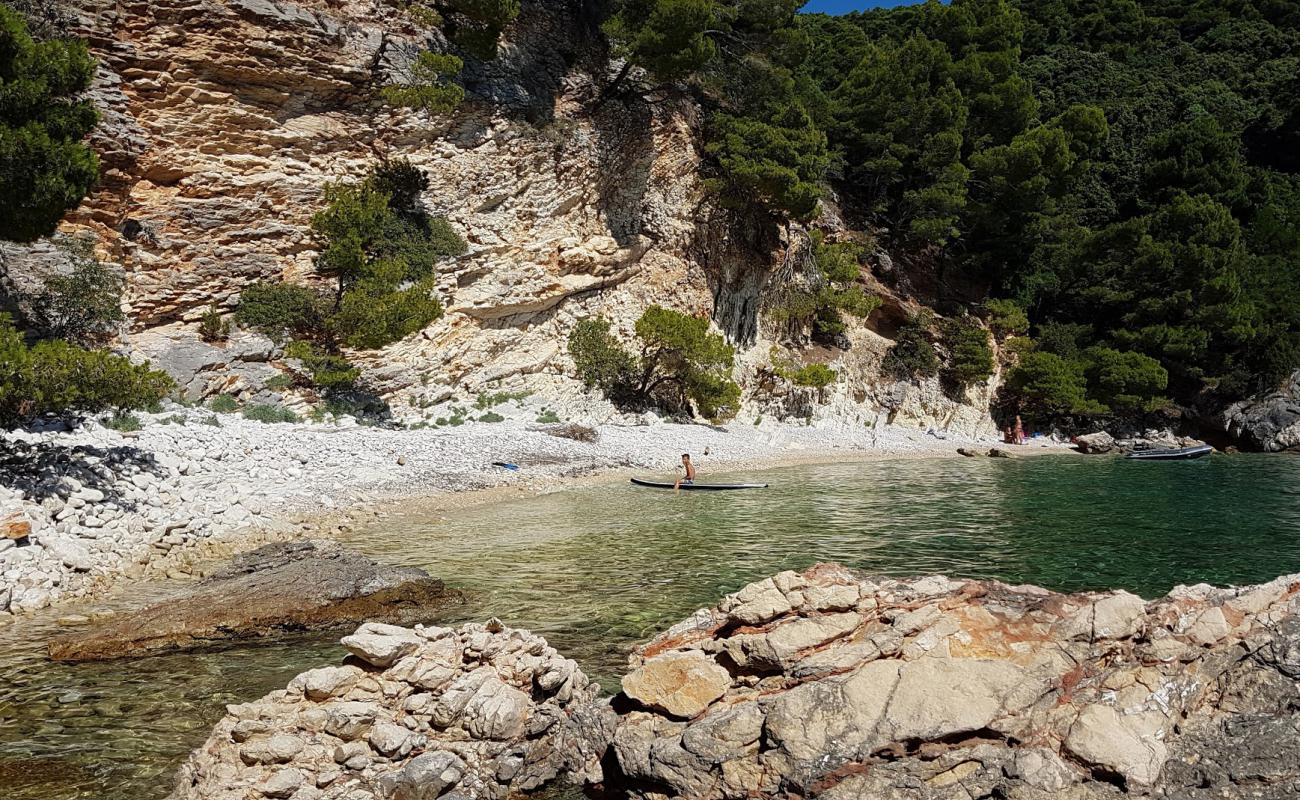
x: 103, y: 505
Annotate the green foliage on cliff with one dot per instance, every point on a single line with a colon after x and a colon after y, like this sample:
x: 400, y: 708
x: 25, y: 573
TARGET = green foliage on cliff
x: 970, y: 359
x: 426, y: 84
x: 1123, y: 172
x: 378, y: 248
x: 45, y: 168
x: 740, y: 57
x: 912, y: 356
x: 82, y: 305
x: 1128, y: 167
x: 54, y: 376
x: 472, y: 25
x: 814, y: 376
x: 680, y: 364
x: 837, y: 291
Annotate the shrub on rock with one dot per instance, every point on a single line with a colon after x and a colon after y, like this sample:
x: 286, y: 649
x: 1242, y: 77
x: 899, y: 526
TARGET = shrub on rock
x: 45, y: 167
x: 379, y: 248
x: 54, y: 376
x: 681, y: 364
x: 912, y: 357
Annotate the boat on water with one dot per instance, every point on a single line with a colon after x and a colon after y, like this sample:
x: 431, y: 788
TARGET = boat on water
x: 1172, y: 453
x: 698, y: 487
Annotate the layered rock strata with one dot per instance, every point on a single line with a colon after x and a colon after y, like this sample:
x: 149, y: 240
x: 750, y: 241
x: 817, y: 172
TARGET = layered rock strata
x: 221, y: 128
x: 828, y: 684
x: 413, y: 714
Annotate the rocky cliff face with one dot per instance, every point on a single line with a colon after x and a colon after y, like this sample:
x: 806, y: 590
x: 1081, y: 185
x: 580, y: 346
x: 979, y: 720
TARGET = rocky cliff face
x: 223, y: 120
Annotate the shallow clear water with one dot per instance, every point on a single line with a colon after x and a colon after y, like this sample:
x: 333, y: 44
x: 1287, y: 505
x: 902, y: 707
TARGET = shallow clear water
x: 597, y: 569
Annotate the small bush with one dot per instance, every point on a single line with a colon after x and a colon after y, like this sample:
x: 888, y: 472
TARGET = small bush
x: 970, y: 359
x: 816, y: 376
x: 328, y: 372
x: 223, y: 404
x: 1006, y: 318
x: 912, y: 357
x: 277, y: 382
x: 57, y: 377
x: 601, y: 361
x: 212, y: 420
x: 82, y: 306
x: 123, y: 422
x: 269, y: 413
x: 491, y: 416
x: 282, y: 309
x: 214, y: 326
x: 548, y: 417
x: 492, y: 400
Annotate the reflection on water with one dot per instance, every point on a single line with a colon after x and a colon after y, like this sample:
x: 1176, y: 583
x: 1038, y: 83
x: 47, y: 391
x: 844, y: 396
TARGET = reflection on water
x: 599, y: 568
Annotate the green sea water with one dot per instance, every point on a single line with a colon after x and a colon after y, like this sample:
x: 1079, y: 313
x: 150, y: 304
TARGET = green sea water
x: 598, y: 569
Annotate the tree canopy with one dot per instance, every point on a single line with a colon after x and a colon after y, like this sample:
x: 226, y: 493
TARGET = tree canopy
x: 45, y: 167
x: 1124, y: 170
x: 378, y: 249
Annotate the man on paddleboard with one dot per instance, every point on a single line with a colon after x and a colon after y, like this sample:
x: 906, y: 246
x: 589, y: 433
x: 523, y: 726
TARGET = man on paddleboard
x: 690, y: 472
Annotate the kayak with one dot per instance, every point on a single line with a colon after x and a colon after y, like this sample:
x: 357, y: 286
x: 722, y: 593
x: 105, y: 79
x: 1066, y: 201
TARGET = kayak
x: 699, y: 487
x: 1172, y: 454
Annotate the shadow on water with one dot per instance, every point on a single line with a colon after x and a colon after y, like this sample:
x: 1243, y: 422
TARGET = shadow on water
x: 598, y: 569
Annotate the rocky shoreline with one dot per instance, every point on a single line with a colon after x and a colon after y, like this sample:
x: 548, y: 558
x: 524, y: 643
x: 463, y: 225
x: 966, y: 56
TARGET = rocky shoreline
x: 86, y: 509
x: 826, y: 683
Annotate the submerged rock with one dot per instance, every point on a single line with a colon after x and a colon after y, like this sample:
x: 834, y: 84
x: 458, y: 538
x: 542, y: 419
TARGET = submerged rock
x: 867, y: 687
x: 476, y: 712
x: 288, y: 586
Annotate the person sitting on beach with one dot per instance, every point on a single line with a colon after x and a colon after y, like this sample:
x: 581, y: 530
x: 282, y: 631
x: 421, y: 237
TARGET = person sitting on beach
x: 690, y: 472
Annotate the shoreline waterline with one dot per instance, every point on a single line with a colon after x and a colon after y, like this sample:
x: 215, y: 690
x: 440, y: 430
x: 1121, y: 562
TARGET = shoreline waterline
x: 368, y: 472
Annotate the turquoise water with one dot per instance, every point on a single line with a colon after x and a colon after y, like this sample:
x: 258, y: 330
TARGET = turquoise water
x: 600, y: 568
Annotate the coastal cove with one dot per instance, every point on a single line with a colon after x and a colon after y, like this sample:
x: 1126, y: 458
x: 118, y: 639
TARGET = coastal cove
x: 603, y: 567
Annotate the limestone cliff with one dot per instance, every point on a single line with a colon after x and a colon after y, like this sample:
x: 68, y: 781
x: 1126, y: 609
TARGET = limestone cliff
x: 223, y: 120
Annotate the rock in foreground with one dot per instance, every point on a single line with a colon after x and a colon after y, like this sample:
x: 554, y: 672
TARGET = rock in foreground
x: 418, y: 713
x: 288, y: 586
x: 827, y: 684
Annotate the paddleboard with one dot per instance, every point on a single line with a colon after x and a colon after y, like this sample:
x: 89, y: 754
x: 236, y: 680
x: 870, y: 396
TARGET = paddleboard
x: 699, y: 487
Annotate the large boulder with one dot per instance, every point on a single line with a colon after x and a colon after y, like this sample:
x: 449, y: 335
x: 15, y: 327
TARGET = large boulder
x: 1269, y: 422
x: 1094, y: 443
x: 843, y: 686
x: 289, y: 586
x: 481, y: 711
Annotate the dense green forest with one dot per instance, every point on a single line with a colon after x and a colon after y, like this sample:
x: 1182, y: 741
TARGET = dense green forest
x: 1124, y: 171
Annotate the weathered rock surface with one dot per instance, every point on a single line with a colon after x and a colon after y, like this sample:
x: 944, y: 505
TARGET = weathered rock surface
x: 1096, y: 443
x: 475, y: 712
x: 218, y: 136
x: 280, y: 587
x: 1270, y: 422
x: 843, y: 686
